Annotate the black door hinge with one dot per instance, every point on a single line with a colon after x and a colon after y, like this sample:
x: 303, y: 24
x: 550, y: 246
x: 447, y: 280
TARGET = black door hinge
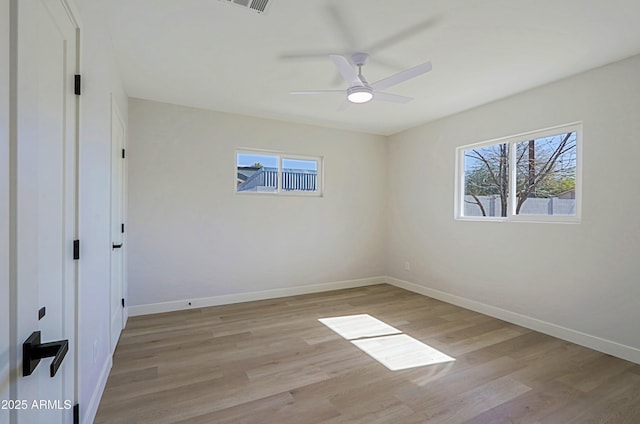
x: 77, y: 85
x: 76, y: 413
x: 123, y: 154
x: 76, y: 250
x: 122, y: 228
x: 123, y: 302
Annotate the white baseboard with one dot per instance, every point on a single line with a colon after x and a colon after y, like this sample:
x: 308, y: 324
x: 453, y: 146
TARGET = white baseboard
x: 91, y: 408
x: 602, y: 345
x: 179, y: 305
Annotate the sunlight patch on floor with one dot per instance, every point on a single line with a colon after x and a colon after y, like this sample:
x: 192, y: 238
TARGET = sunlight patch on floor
x: 400, y: 352
x: 384, y: 343
x: 358, y: 326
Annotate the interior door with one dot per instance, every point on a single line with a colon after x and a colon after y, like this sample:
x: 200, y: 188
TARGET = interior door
x: 44, y: 209
x: 117, y: 230
x: 5, y: 340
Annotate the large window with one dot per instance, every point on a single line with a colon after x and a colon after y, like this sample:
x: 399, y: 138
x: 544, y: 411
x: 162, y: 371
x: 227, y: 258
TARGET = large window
x: 529, y: 177
x: 260, y: 172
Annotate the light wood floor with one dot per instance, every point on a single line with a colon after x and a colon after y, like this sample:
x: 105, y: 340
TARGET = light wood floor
x: 273, y: 362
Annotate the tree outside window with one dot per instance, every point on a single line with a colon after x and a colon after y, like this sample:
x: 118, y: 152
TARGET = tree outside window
x: 543, y: 182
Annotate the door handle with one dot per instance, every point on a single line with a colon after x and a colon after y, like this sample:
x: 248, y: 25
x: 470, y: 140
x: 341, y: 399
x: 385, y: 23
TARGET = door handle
x: 116, y: 246
x: 33, y: 351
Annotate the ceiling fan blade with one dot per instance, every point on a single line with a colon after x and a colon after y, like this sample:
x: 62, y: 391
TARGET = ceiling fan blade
x: 388, y: 97
x: 317, y: 92
x: 336, y: 80
x: 344, y: 106
x: 402, y: 76
x: 346, y: 70
x: 342, y: 26
x: 402, y: 35
x: 304, y: 56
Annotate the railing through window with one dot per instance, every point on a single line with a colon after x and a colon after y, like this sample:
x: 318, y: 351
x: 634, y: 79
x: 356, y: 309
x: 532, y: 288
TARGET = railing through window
x: 299, y: 180
x: 266, y: 180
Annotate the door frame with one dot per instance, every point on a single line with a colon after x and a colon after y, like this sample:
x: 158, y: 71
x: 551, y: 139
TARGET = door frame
x: 117, y: 115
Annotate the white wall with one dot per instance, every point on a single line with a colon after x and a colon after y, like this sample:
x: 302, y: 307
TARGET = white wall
x: 191, y: 236
x: 4, y: 206
x: 583, y: 277
x: 100, y: 80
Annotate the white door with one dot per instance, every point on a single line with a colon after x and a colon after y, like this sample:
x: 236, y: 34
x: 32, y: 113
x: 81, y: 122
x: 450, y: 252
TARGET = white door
x: 5, y: 340
x: 44, y: 208
x: 117, y: 223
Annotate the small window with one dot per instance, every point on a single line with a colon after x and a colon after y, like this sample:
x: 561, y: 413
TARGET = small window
x: 530, y: 177
x: 274, y: 173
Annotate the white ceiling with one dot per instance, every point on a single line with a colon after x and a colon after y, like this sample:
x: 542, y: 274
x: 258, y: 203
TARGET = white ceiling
x: 214, y: 55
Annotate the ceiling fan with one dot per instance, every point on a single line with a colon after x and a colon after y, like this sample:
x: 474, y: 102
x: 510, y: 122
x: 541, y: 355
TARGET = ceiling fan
x: 360, y: 90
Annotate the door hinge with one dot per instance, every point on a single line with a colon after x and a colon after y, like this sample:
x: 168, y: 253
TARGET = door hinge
x: 122, y: 228
x: 77, y: 85
x: 76, y: 250
x: 76, y: 413
x: 123, y: 302
x: 123, y: 155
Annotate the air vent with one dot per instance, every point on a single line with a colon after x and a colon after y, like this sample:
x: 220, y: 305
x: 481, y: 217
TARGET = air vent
x: 259, y: 6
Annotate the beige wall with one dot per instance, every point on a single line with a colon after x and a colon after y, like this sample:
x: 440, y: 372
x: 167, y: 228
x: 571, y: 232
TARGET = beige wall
x: 581, y: 277
x: 389, y: 201
x: 191, y: 236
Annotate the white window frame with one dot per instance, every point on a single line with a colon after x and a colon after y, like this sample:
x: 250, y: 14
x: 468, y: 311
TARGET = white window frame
x: 281, y: 156
x: 512, y: 141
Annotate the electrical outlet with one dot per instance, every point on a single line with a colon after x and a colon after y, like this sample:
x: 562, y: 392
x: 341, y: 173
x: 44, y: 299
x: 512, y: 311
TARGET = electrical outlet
x: 407, y: 266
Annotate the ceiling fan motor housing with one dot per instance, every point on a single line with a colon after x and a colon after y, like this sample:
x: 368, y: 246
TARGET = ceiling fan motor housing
x: 359, y: 59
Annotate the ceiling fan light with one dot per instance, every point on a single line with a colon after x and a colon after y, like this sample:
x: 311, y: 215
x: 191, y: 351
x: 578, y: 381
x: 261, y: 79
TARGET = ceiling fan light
x: 360, y: 94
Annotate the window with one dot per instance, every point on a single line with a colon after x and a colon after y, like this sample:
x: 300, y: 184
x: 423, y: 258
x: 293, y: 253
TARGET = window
x: 529, y: 177
x: 259, y: 172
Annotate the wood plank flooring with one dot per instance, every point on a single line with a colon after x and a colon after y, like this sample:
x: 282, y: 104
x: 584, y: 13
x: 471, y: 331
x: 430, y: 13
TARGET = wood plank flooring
x: 273, y: 362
